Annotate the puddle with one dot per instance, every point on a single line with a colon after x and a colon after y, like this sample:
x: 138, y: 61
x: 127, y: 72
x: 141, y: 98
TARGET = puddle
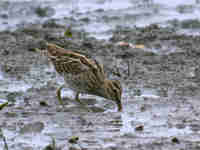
x: 155, y: 127
x: 66, y: 92
x: 149, y: 93
x: 152, y: 127
x: 151, y: 114
x: 17, y: 141
x: 14, y: 86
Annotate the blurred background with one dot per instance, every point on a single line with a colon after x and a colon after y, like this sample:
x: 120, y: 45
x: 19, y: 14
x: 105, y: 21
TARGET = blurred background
x: 98, y: 17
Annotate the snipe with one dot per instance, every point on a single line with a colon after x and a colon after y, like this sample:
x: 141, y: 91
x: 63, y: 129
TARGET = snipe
x: 83, y: 75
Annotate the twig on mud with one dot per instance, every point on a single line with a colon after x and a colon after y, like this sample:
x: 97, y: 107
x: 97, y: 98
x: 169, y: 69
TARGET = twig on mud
x: 3, y: 105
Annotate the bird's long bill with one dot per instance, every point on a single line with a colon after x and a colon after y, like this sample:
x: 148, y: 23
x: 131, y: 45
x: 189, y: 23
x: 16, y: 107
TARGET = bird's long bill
x: 119, y: 105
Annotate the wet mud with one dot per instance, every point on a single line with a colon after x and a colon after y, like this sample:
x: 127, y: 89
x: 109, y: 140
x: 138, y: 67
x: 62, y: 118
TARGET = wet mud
x: 160, y: 91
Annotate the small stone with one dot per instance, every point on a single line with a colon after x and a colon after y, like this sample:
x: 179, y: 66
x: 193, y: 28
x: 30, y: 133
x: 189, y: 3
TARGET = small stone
x: 139, y: 128
x: 143, y: 108
x: 137, y: 92
x: 86, y: 20
x: 87, y: 45
x: 4, y: 16
x: 73, y: 140
x: 175, y: 140
x: 43, y: 103
x: 5, y: 52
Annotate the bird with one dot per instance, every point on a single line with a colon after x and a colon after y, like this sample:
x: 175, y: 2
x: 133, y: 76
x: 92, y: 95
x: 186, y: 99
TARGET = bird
x: 83, y: 75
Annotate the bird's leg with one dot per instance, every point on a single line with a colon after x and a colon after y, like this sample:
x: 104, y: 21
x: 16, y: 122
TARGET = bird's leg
x: 58, y: 93
x: 128, y: 68
x: 77, y: 96
x: 79, y: 101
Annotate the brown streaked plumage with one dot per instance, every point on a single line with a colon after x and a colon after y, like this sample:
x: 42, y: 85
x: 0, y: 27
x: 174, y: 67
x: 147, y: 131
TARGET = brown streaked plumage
x: 83, y: 75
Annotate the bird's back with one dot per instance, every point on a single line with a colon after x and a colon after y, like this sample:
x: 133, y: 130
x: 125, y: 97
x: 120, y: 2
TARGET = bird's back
x: 67, y: 61
x: 79, y: 71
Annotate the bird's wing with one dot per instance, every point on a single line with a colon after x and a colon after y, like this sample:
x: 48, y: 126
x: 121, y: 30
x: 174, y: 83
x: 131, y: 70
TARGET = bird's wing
x: 66, y: 61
